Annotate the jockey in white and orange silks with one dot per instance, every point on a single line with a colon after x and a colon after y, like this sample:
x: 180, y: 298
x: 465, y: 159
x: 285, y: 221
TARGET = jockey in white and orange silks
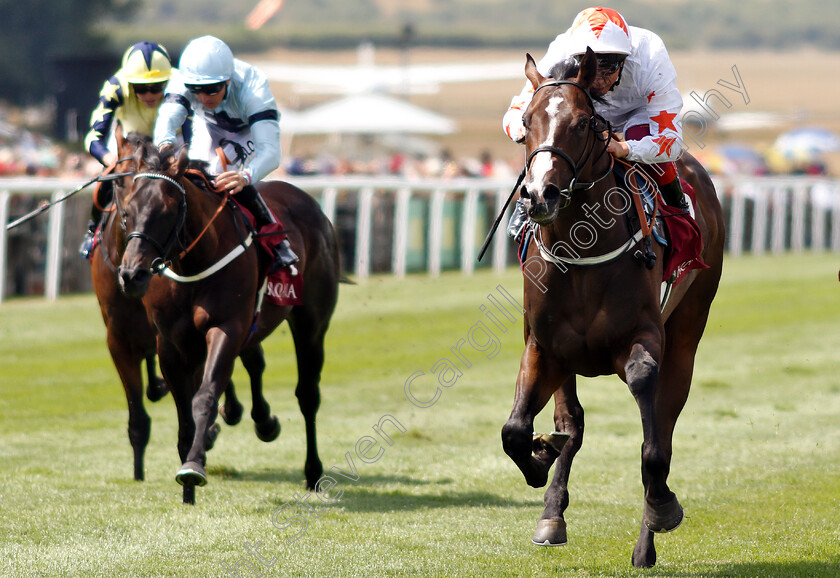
x: 638, y: 84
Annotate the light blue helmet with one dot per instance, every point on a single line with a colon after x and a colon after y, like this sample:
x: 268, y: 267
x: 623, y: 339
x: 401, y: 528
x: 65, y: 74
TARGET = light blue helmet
x: 206, y: 60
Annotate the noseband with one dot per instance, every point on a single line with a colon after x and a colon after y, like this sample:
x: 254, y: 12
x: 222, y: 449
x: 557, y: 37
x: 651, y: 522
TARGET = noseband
x: 577, y: 166
x: 158, y: 264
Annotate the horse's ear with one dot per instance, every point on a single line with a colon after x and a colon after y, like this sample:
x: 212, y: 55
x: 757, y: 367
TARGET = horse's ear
x: 183, y: 159
x: 588, y: 68
x: 119, y: 138
x: 532, y: 73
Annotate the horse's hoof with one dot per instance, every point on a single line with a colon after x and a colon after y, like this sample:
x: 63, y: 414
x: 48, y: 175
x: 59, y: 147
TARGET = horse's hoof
x: 268, y: 430
x: 550, y: 532
x: 157, y: 389
x: 664, y: 518
x: 552, y: 443
x: 231, y: 417
x: 211, y: 435
x: 191, y: 473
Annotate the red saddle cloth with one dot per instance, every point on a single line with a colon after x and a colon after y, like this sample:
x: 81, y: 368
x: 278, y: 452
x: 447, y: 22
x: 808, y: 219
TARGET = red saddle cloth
x: 283, y: 287
x: 685, y: 240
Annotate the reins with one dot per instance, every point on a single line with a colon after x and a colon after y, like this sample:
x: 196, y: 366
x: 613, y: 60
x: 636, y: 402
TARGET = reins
x: 161, y: 266
x: 44, y: 207
x: 576, y: 166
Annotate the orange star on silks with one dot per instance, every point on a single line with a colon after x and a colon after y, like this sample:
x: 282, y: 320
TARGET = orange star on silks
x: 665, y: 120
x: 598, y: 18
x: 651, y: 95
x: 665, y: 143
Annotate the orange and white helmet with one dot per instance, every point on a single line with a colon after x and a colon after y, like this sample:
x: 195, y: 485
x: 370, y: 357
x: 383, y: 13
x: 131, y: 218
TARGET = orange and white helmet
x: 603, y: 30
x: 146, y: 63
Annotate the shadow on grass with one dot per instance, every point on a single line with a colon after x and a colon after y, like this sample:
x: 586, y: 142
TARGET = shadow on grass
x: 377, y: 493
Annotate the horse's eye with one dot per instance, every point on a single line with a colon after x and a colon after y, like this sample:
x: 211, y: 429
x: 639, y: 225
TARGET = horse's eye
x: 581, y: 125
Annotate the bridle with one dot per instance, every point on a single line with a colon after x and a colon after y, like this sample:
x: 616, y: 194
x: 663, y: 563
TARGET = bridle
x: 592, y: 128
x: 159, y: 263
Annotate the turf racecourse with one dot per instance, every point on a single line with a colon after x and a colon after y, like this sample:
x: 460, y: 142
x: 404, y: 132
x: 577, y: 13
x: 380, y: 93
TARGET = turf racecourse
x: 755, y: 463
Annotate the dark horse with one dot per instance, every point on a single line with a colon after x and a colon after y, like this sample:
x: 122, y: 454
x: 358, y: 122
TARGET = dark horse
x: 203, y: 316
x: 131, y: 342
x: 601, y: 319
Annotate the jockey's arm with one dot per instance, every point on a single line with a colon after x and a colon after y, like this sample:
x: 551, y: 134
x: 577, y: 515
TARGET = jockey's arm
x: 512, y: 120
x: 661, y: 113
x: 101, y: 119
x: 171, y: 116
x: 265, y: 131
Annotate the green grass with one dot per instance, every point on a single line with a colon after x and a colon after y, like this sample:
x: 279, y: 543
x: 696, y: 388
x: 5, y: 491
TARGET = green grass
x: 755, y: 453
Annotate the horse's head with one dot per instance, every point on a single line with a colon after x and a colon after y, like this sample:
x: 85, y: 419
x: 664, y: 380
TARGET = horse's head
x: 564, y: 137
x: 152, y: 209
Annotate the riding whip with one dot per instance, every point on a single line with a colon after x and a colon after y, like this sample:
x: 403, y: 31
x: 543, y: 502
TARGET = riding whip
x: 44, y: 207
x: 501, y: 215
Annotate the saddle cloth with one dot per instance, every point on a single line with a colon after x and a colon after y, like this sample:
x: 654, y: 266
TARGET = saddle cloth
x: 282, y: 287
x: 677, y: 231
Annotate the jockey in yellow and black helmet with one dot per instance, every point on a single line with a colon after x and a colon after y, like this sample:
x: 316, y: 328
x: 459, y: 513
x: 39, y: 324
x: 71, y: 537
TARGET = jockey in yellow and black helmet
x: 132, y: 96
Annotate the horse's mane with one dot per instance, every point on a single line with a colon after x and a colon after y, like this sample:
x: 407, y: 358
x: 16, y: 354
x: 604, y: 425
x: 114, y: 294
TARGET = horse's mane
x: 568, y: 69
x: 159, y: 160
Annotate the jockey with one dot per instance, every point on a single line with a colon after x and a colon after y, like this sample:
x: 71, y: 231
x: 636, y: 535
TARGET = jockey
x: 233, y: 109
x: 132, y: 96
x: 638, y: 86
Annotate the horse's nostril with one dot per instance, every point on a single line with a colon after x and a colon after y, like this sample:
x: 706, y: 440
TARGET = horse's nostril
x: 551, y: 193
x: 523, y: 193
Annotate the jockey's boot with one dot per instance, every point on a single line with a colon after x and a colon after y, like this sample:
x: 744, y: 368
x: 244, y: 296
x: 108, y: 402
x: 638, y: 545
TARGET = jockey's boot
x: 253, y: 201
x: 87, y: 243
x: 673, y: 194
x: 102, y: 196
x: 518, y: 220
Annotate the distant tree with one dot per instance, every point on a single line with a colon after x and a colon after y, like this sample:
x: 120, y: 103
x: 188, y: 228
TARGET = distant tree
x: 33, y: 33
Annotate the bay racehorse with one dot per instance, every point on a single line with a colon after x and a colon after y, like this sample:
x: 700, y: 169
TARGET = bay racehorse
x: 130, y: 338
x: 204, y: 312
x: 589, y: 319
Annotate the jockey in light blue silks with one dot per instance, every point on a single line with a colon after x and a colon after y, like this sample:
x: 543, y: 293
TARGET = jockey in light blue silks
x: 232, y: 108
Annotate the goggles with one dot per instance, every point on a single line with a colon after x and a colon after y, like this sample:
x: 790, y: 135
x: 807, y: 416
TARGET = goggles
x: 208, y: 89
x: 155, y: 88
x: 610, y: 63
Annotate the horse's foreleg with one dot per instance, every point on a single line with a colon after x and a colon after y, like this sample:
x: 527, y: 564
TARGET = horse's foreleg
x: 139, y: 422
x: 568, y: 420
x: 308, y: 332
x: 266, y: 425
x: 218, y: 367
x: 538, y: 378
x: 683, y: 332
x: 662, y: 511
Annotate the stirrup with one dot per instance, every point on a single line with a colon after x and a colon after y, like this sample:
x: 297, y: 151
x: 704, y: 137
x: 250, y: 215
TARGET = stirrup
x: 518, y: 220
x: 284, y: 257
x: 87, y: 243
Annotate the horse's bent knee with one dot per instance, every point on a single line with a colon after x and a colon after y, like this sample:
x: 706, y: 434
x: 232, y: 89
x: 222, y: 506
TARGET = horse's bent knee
x: 641, y: 371
x: 516, y: 440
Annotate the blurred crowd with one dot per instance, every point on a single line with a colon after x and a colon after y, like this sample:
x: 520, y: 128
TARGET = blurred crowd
x: 399, y: 164
x: 26, y: 153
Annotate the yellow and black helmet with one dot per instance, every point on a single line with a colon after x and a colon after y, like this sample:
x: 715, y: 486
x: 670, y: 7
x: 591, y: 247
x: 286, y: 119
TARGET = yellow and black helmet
x: 146, y: 63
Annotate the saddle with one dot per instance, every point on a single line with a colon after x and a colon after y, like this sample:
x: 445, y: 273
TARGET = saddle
x: 281, y: 287
x: 671, y: 227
